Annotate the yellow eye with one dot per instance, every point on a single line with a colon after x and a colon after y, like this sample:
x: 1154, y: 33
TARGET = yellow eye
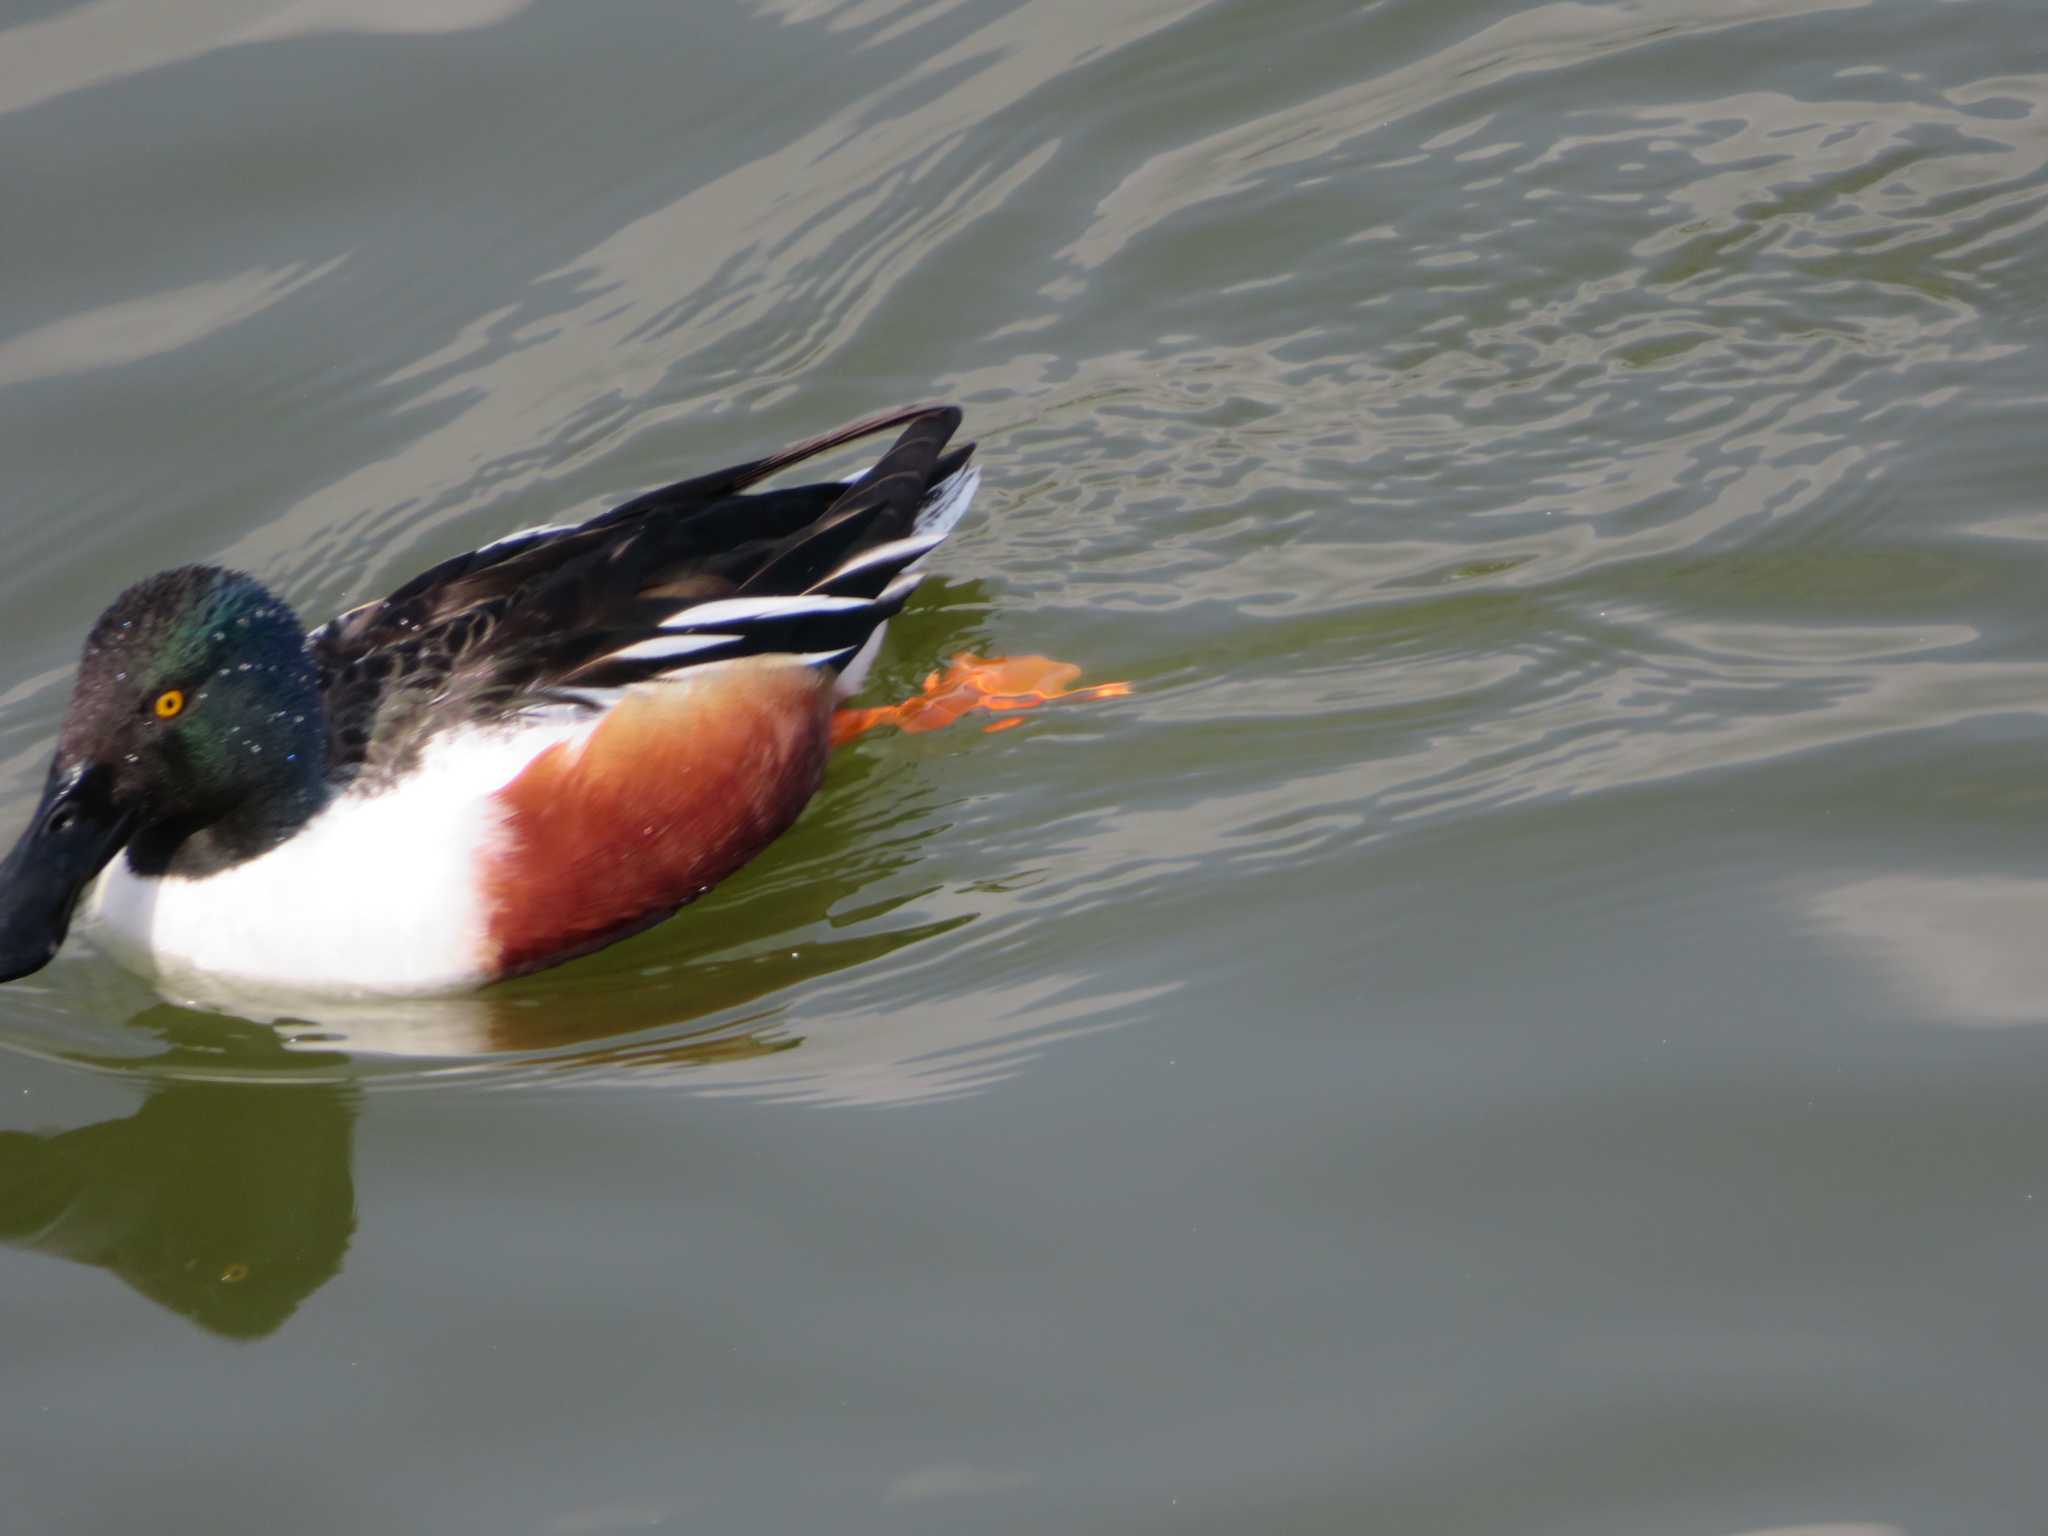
x: 169, y: 703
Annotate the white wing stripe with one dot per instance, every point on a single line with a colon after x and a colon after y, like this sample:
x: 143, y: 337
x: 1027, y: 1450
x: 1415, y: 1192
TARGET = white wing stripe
x: 900, y: 588
x: 667, y: 647
x: 524, y: 534
x: 896, y: 551
x: 855, y: 672
x: 738, y: 610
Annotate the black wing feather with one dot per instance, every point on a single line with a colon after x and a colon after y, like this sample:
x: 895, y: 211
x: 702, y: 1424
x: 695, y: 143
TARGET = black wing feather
x: 537, y: 618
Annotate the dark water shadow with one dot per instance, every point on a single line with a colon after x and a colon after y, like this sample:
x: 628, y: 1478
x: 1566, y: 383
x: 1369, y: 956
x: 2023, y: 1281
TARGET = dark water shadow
x: 226, y: 1203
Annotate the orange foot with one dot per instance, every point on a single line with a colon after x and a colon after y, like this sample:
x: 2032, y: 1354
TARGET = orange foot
x: 999, y: 683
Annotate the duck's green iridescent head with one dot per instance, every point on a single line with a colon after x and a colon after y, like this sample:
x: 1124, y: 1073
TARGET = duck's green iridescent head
x: 195, y: 738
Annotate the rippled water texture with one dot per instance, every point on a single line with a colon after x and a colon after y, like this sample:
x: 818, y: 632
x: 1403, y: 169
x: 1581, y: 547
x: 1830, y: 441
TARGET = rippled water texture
x: 1528, y: 1018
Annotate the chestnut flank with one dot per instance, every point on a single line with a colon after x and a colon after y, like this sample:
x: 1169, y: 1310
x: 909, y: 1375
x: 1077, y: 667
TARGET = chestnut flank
x: 677, y: 787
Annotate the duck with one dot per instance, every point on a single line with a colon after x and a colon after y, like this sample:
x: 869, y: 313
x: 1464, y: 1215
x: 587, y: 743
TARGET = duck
x: 525, y: 753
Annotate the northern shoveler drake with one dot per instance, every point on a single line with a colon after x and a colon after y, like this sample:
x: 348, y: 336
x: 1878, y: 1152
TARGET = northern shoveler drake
x: 521, y: 755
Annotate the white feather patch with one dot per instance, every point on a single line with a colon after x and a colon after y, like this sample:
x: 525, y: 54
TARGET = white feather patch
x: 378, y: 894
x: 946, y: 503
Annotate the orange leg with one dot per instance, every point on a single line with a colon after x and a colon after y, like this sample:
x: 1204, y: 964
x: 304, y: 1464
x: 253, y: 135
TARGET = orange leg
x: 1000, y: 684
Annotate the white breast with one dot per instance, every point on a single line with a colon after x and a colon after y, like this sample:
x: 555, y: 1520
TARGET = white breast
x: 378, y: 895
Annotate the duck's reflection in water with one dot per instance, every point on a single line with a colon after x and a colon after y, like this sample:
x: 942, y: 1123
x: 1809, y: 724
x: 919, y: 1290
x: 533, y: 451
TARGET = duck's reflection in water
x: 228, y: 1203
x: 228, y: 1196
x: 682, y: 1014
